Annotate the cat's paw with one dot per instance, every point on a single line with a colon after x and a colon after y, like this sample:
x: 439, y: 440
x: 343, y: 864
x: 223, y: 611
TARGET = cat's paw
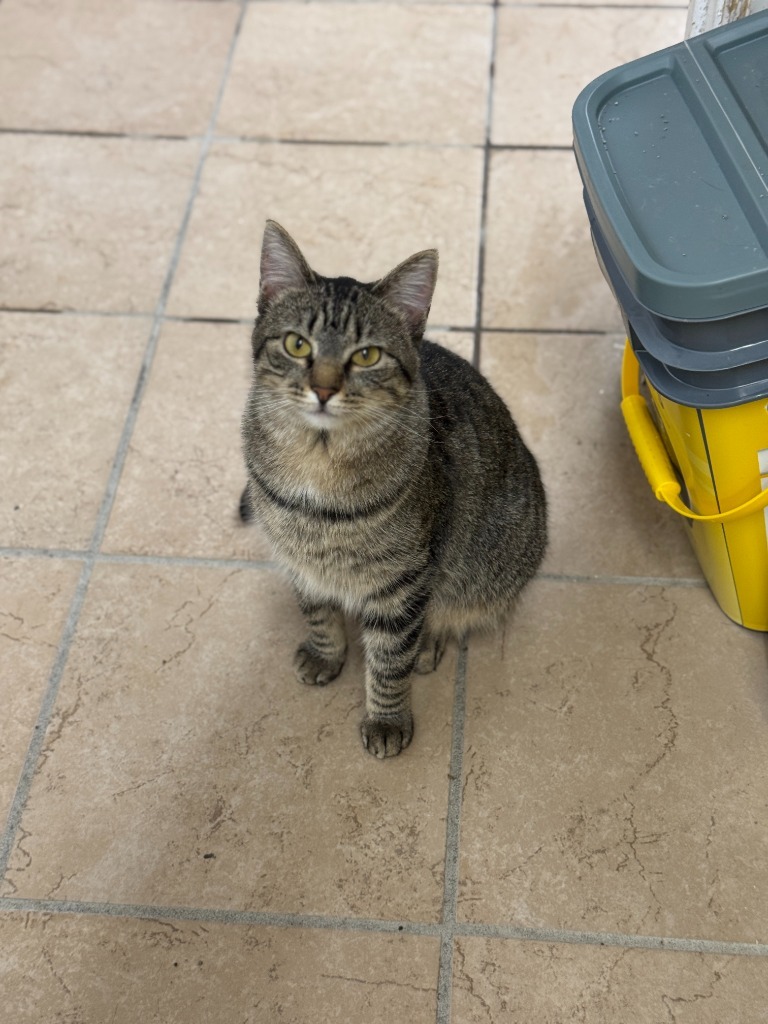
x: 313, y: 668
x: 430, y: 655
x: 387, y: 737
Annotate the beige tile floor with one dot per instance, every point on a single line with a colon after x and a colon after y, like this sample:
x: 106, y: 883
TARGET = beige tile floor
x: 580, y: 829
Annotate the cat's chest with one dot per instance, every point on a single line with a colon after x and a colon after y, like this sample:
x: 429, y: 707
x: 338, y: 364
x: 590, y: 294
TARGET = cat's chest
x: 332, y: 558
x: 314, y: 528
x: 339, y: 548
x: 313, y: 476
x: 336, y: 522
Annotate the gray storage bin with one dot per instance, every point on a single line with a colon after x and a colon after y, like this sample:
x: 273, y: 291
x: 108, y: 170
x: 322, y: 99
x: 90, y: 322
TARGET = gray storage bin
x: 707, y: 389
x: 693, y: 345
x: 673, y: 155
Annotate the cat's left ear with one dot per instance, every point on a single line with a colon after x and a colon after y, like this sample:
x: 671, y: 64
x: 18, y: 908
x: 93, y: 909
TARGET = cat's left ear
x: 282, y: 264
x: 409, y: 287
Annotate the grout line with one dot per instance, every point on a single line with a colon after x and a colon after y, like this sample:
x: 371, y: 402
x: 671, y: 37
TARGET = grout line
x: 472, y: 4
x: 189, y: 562
x: 531, y: 147
x: 215, y: 914
x: 180, y: 318
x: 627, y: 581
x: 576, y: 332
x: 118, y: 558
x: 262, y: 140
x: 29, y: 767
x: 8, y: 835
x: 207, y: 562
x: 175, y: 318
x: 267, y: 140
x: 68, y: 553
x: 329, y: 922
x: 598, y: 6
x: 452, y: 838
x: 42, y: 311
x: 453, y: 817
x: 95, y: 133
x: 713, y: 947
x: 487, y: 3
x: 476, y: 354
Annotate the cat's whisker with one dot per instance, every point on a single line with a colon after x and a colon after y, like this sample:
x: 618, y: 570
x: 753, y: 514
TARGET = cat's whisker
x: 391, y: 418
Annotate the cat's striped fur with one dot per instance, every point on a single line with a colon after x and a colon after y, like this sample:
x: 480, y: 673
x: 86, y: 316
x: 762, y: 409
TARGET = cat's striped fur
x: 399, y: 492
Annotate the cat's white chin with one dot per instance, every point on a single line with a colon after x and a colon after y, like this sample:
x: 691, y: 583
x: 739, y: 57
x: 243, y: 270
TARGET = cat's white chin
x: 321, y: 420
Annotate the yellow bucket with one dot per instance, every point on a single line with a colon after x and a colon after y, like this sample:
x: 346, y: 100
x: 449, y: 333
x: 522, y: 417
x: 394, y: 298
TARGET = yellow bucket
x: 721, y: 455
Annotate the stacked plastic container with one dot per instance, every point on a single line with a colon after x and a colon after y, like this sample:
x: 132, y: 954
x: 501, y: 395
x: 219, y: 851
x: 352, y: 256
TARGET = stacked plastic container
x: 673, y: 153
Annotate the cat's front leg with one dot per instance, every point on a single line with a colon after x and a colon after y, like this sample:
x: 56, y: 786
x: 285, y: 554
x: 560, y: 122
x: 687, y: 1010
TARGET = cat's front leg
x: 321, y: 657
x: 392, y: 644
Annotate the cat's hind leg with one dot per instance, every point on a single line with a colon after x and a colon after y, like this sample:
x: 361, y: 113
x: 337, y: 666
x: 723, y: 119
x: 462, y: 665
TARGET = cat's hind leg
x: 321, y: 657
x: 430, y: 653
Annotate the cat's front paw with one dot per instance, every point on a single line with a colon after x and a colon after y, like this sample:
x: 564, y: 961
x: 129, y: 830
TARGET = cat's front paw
x: 313, y: 668
x: 387, y: 737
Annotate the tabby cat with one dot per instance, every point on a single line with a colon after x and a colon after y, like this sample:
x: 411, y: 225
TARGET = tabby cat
x: 386, y: 472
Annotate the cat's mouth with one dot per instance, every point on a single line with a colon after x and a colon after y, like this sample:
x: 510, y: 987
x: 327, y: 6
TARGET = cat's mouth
x: 322, y: 418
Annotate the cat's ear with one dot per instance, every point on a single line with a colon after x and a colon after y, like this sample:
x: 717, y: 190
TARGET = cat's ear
x: 282, y: 265
x: 409, y: 287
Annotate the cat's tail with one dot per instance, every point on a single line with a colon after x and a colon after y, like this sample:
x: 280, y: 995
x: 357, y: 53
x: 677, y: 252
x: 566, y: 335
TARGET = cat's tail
x: 245, y: 508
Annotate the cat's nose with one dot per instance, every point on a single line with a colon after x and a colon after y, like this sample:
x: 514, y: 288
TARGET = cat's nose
x: 324, y: 394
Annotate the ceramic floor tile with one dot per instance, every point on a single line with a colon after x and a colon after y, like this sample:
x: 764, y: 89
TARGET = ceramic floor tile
x: 125, y: 66
x: 185, y: 765
x: 500, y: 982
x: 540, y: 268
x: 322, y: 76
x: 184, y: 473
x: 34, y: 600
x: 460, y: 342
x: 564, y: 392
x: 66, y: 384
x: 544, y: 58
x: 614, y: 769
x: 90, y: 223
x: 356, y: 211
x: 96, y: 969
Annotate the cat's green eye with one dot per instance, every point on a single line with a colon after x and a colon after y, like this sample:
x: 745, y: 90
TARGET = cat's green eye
x: 366, y: 356
x: 296, y: 346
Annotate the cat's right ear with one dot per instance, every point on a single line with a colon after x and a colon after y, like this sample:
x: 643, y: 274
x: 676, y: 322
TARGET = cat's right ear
x: 409, y: 288
x: 282, y: 264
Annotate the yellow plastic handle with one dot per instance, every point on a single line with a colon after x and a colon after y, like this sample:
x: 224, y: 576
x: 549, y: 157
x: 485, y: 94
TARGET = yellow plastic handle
x: 653, y: 455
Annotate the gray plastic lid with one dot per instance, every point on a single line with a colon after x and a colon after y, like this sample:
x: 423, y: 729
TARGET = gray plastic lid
x: 707, y: 390
x: 673, y: 153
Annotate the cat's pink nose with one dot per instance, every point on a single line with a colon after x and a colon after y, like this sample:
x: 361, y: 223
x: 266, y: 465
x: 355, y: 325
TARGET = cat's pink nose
x: 324, y: 393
